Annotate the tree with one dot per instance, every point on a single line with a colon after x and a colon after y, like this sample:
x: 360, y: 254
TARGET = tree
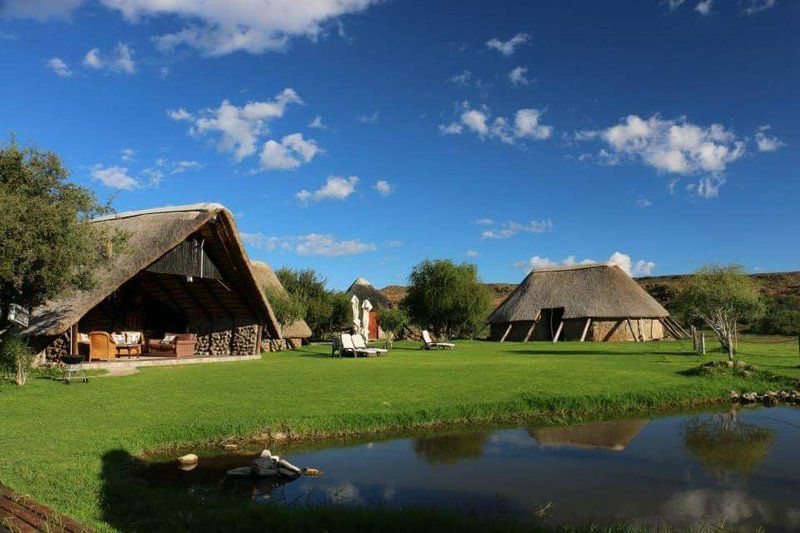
x: 325, y: 311
x: 47, y: 244
x: 287, y: 308
x: 448, y: 299
x: 393, y: 321
x: 721, y: 296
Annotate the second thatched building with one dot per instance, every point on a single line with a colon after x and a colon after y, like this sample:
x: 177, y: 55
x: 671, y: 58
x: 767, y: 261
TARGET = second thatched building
x: 596, y: 302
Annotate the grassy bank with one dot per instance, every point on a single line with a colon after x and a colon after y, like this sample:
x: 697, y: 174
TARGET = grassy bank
x: 67, y: 446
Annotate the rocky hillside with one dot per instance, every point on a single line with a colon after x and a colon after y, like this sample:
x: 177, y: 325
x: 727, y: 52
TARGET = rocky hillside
x: 783, y: 285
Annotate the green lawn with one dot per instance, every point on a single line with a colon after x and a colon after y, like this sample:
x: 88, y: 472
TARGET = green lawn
x: 67, y: 445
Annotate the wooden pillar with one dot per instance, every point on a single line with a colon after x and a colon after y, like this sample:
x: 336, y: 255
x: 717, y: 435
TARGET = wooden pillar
x: 508, y: 330
x: 586, y: 329
x: 259, y: 334
x: 558, y: 331
x: 73, y: 339
x: 530, y: 330
x: 630, y: 327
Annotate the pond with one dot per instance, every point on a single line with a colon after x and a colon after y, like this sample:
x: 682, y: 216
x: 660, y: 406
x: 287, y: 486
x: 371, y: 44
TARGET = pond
x: 739, y: 467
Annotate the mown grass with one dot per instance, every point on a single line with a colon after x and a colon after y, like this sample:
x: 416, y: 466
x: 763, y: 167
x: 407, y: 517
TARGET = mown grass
x: 67, y: 445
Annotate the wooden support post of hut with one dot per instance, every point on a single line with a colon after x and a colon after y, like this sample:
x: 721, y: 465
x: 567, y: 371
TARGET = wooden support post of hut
x: 586, y: 329
x: 508, y: 330
x: 558, y: 331
x: 533, y: 327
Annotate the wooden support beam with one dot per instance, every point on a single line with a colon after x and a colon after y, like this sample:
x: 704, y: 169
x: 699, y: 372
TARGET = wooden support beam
x: 196, y: 302
x: 533, y: 327
x: 73, y: 339
x: 630, y: 326
x: 259, y: 333
x: 586, y: 329
x: 508, y: 330
x: 613, y: 330
x: 558, y: 331
x: 670, y: 329
x: 678, y: 328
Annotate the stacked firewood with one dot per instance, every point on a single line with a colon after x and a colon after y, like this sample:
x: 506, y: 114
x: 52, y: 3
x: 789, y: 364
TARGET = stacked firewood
x: 57, y: 349
x: 244, y: 340
x: 220, y: 342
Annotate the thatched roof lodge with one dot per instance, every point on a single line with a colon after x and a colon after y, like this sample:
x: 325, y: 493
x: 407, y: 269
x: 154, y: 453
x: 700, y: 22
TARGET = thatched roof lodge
x: 597, y: 302
x: 182, y: 269
x: 614, y: 436
x: 365, y: 291
x: 294, y: 333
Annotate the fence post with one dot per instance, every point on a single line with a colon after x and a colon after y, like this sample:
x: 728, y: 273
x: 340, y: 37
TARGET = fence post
x: 730, y: 346
x: 694, y: 337
x: 702, y: 343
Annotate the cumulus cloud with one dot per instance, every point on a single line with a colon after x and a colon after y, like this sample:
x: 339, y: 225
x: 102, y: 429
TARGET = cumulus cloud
x: 757, y: 6
x: 526, y: 125
x: 335, y: 188
x: 509, y: 229
x: 483, y: 221
x: 127, y: 154
x: 119, y: 61
x: 238, y: 127
x: 59, y: 66
x: 508, y: 47
x: 384, y: 188
x: 463, y: 79
x: 766, y: 142
x: 38, y: 9
x: 704, y: 7
x: 624, y: 261
x: 643, y: 202
x: 114, y: 177
x: 310, y: 244
x: 290, y: 153
x: 518, y: 77
x: 317, y: 123
x: 472, y: 253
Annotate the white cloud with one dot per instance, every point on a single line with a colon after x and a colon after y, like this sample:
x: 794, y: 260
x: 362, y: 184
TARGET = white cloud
x: 639, y: 268
x: 372, y: 118
x: 317, y: 123
x: 154, y: 176
x: 121, y: 60
x: 127, y: 154
x: 289, y: 154
x: 328, y: 246
x: 184, y: 166
x: 643, y: 202
x: 335, y: 188
x: 59, y: 66
x: 479, y: 121
x: 394, y: 243
x: 767, y: 143
x: 38, y: 9
x: 463, y: 79
x: 703, y: 7
x: 757, y: 6
x: 239, y: 128
x: 511, y: 228
x: 114, y: 177
x: 384, y: 188
x: 258, y: 240
x: 517, y: 76
x: 508, y: 47
x: 483, y: 221
x: 675, y: 4
x: 163, y: 72
x: 472, y: 253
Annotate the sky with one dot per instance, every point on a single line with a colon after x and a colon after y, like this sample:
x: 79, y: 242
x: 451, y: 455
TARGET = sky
x: 359, y: 137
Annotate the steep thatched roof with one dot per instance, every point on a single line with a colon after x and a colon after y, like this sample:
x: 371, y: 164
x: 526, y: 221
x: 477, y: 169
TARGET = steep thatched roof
x: 267, y: 279
x: 605, y: 435
x: 150, y: 234
x: 365, y: 291
x: 597, y: 290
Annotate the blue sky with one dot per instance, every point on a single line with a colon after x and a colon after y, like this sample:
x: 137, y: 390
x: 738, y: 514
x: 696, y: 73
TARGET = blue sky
x: 358, y: 137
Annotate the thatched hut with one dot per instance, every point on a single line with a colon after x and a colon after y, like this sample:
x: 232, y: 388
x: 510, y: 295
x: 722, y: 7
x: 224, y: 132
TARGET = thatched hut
x: 615, y: 436
x: 364, y: 290
x: 597, y: 302
x: 294, y: 333
x: 181, y: 270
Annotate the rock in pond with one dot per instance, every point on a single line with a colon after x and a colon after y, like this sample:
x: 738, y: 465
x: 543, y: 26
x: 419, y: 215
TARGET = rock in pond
x: 267, y: 465
x: 229, y: 447
x: 188, y: 459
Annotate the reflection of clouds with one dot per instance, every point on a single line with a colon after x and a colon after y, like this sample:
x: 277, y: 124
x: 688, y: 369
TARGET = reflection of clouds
x: 345, y: 493
x: 703, y: 506
x: 389, y: 493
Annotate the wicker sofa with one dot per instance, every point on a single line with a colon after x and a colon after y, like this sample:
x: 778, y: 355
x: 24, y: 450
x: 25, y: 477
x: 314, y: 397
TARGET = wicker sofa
x: 173, y: 345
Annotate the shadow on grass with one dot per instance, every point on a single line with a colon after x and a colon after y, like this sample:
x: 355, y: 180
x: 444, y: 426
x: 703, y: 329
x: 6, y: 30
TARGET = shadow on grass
x: 130, y: 504
x: 588, y: 351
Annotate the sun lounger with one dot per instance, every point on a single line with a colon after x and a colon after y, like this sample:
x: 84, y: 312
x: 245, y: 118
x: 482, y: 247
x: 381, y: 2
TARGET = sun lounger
x: 348, y: 346
x: 430, y: 345
x: 358, y: 342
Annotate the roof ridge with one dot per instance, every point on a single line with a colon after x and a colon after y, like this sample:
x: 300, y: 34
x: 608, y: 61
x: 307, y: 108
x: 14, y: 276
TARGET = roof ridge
x: 202, y: 206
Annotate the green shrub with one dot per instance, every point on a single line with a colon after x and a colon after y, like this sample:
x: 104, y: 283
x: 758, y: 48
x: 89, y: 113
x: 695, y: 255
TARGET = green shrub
x: 393, y: 321
x: 16, y: 358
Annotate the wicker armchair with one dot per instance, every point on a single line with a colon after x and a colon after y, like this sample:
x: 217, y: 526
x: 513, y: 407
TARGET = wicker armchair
x: 101, y: 346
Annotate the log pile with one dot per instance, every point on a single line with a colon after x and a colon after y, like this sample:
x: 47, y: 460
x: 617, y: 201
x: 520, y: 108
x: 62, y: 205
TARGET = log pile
x: 220, y: 342
x: 58, y: 348
x: 244, y: 340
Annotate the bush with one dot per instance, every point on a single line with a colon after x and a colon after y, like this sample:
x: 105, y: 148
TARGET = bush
x: 448, y: 299
x: 393, y: 321
x: 325, y: 311
x: 16, y: 358
x: 778, y: 322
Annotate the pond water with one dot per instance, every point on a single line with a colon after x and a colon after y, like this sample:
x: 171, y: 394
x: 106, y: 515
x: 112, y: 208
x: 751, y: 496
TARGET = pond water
x: 691, y: 470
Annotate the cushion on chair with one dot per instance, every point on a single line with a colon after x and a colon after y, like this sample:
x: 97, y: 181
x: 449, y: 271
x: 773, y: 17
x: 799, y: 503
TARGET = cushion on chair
x: 133, y: 337
x: 83, y: 337
x: 169, y: 339
x: 118, y: 338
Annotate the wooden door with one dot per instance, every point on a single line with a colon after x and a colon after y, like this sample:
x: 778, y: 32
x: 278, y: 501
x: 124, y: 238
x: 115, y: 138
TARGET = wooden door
x: 373, y: 325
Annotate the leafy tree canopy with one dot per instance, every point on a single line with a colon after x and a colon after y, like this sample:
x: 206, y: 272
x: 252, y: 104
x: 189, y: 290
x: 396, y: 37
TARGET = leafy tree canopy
x: 448, y: 299
x: 325, y: 311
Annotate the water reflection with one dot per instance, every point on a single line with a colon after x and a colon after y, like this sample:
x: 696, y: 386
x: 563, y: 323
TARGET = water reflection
x: 724, y: 444
x: 615, y: 436
x: 450, y: 449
